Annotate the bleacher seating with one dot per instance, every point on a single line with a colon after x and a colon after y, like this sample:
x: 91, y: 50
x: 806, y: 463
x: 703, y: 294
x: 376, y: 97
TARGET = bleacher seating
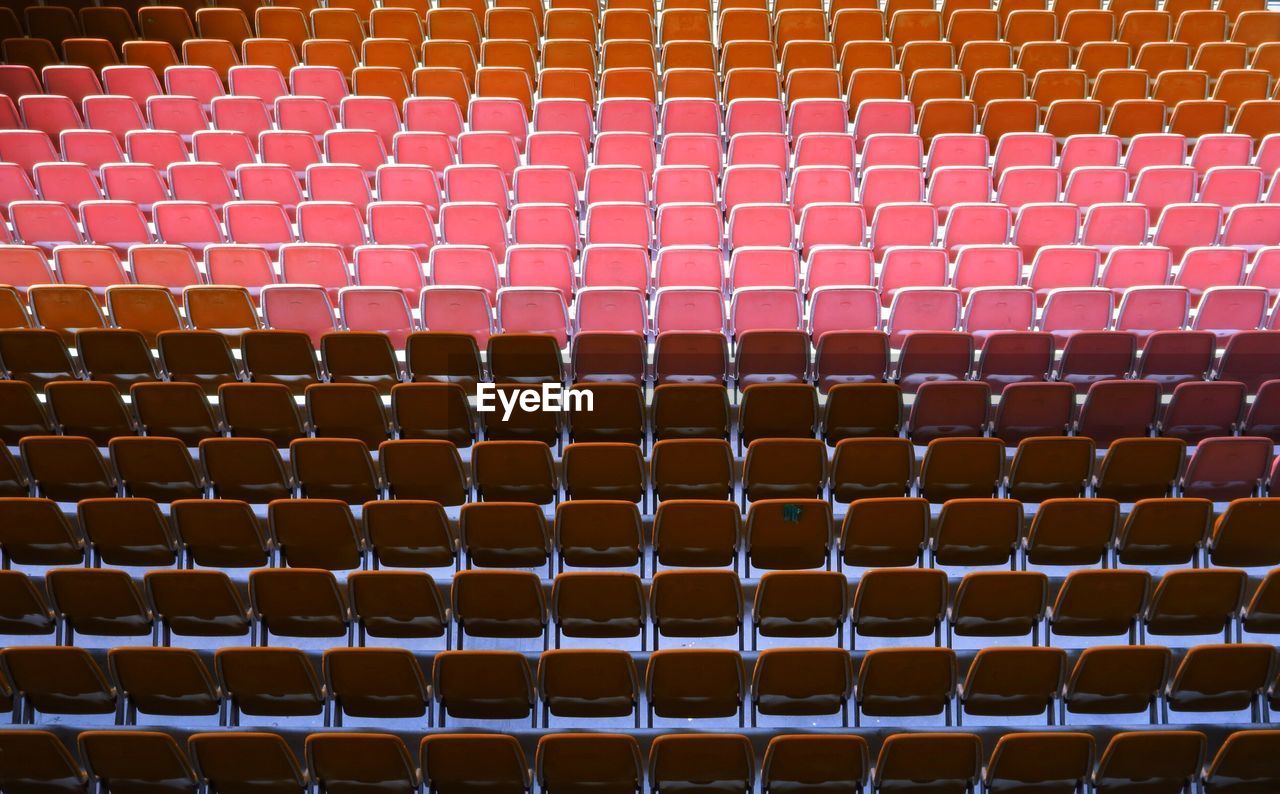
x: 933, y: 351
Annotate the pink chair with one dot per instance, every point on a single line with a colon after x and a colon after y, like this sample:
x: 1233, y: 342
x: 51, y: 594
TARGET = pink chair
x: 1228, y: 310
x: 1097, y: 184
x: 626, y: 114
x: 1014, y: 357
x: 691, y: 114
x: 247, y: 266
x: 335, y: 222
x: 410, y: 182
x: 1199, y: 411
x: 170, y: 266
x: 559, y: 150
x: 812, y: 184
x: 533, y: 310
x: 264, y: 82
x: 850, y: 357
x: 402, y: 223
x: 1070, y: 310
x: 45, y: 224
x: 626, y: 148
x: 225, y: 148
x: 838, y: 265
x: 257, y: 223
x: 546, y: 225
x: 754, y: 115
x: 183, y: 115
x: 1211, y: 151
x: 312, y: 115
x: 377, y: 113
x: 119, y: 224
x: 1092, y: 356
x: 1156, y: 187
x: 1040, y: 225
x: 541, y: 266
x: 26, y: 148
x: 922, y: 309
x: 66, y: 183
x: 1109, y: 225
x: 434, y: 150
x: 981, y: 225
x: 191, y: 224
x: 827, y: 148
x: 1211, y: 266
x: 954, y: 149
x: 759, y: 148
x: 905, y: 267
x: 614, y: 309
x: 1173, y: 357
x: 911, y: 224
x: 25, y: 265
x: 497, y: 114
x: 432, y: 114
x: 1154, y: 149
x: 322, y: 264
x: 1145, y: 310
x: 689, y: 266
x: 1029, y: 184
x: 1250, y: 357
x: 887, y: 148
x: 73, y: 82
x: 562, y: 115
x: 271, y: 182
x: 326, y: 82
x: 994, y: 309
x: 687, y: 224
x: 156, y: 147
x: 758, y: 225
x: 14, y: 186
x: 377, y: 309
x: 243, y: 114
x: 747, y: 184
x: 764, y: 267
x: 986, y: 266
x: 1021, y: 149
x: 458, y: 309
x: 95, y: 266
x: 703, y: 151
x: 890, y: 184
x: 831, y: 224
x: 1265, y: 271
x: 361, y: 148
x: 344, y: 182
x: 1058, y: 267
x: 688, y: 309
x: 765, y: 309
x: 837, y: 309
x: 1224, y: 469
x: 478, y: 183
x: 464, y: 266
x: 1252, y: 226
x: 298, y: 307
x: 1115, y: 409
x: 472, y: 223
x: 1089, y: 150
x: 391, y: 266
x: 608, y: 265
x: 489, y: 148
x: 874, y: 116
x: 546, y: 184
x: 1182, y: 227
x: 1135, y: 266
x: 619, y: 222
x: 953, y: 185
x: 1232, y: 185
x: 292, y: 149
x: 616, y: 184
x: 816, y: 116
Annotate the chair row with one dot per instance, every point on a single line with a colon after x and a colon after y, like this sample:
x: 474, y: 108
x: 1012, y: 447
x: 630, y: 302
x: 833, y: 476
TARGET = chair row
x: 680, y: 602
x: 457, y: 762
x: 472, y: 687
